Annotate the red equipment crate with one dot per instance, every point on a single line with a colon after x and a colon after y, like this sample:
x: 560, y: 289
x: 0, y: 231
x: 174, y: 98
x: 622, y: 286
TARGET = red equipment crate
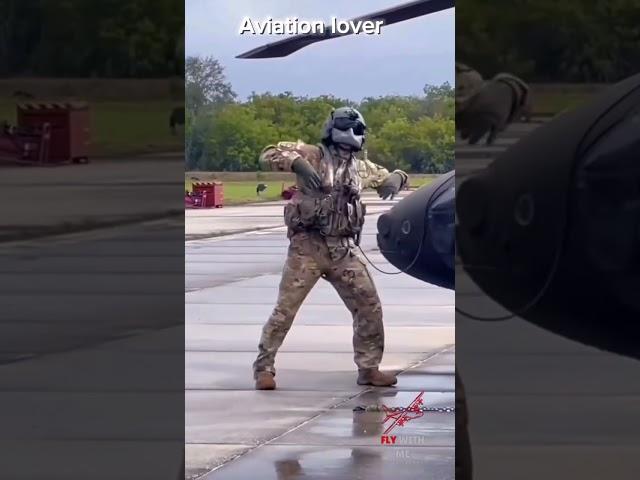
x: 210, y: 193
x: 69, y: 125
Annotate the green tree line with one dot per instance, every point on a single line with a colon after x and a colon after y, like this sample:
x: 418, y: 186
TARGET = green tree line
x: 550, y: 41
x: 413, y: 133
x: 96, y: 38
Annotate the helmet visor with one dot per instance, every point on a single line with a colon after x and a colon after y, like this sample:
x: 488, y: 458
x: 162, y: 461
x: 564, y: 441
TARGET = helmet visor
x: 345, y: 124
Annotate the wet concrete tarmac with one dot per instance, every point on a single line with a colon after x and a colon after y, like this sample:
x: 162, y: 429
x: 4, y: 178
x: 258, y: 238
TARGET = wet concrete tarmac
x: 308, y: 428
x: 87, y: 381
x: 540, y: 405
x: 104, y: 192
x: 204, y: 223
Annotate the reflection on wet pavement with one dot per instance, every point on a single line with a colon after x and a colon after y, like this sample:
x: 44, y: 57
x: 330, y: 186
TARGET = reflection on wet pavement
x: 342, y: 463
x: 313, y: 426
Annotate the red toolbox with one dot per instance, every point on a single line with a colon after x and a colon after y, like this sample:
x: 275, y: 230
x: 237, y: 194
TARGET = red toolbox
x: 69, y: 127
x: 208, y: 194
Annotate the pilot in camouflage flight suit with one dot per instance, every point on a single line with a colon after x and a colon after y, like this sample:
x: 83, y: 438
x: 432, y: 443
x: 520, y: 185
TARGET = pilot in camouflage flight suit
x: 324, y: 221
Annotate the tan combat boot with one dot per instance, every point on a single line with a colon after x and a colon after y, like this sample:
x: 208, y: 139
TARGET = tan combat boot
x: 375, y: 377
x: 265, y: 381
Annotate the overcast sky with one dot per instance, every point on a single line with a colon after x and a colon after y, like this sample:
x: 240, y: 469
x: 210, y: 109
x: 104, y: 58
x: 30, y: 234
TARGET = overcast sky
x: 401, y: 60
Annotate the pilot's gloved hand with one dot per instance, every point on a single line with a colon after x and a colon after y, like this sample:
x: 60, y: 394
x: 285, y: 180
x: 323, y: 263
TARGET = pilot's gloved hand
x: 310, y: 177
x: 496, y: 104
x: 390, y: 186
x: 487, y: 111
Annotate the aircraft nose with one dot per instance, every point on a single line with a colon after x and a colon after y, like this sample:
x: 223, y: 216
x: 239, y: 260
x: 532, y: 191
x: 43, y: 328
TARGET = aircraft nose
x: 394, y: 232
x: 471, y: 204
x: 384, y: 225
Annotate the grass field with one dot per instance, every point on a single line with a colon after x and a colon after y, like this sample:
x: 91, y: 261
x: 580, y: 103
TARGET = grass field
x: 236, y: 193
x: 123, y: 128
x: 549, y: 99
x: 416, y: 181
x: 240, y: 192
x: 552, y: 102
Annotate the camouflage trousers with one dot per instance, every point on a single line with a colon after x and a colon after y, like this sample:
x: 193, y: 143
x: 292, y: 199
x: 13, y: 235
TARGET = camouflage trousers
x: 309, y: 259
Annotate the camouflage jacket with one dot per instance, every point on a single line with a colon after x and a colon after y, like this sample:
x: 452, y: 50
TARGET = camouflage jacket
x: 338, y: 175
x: 365, y: 173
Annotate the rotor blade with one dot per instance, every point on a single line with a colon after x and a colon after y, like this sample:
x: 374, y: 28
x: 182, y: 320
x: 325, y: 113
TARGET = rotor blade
x: 287, y: 46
